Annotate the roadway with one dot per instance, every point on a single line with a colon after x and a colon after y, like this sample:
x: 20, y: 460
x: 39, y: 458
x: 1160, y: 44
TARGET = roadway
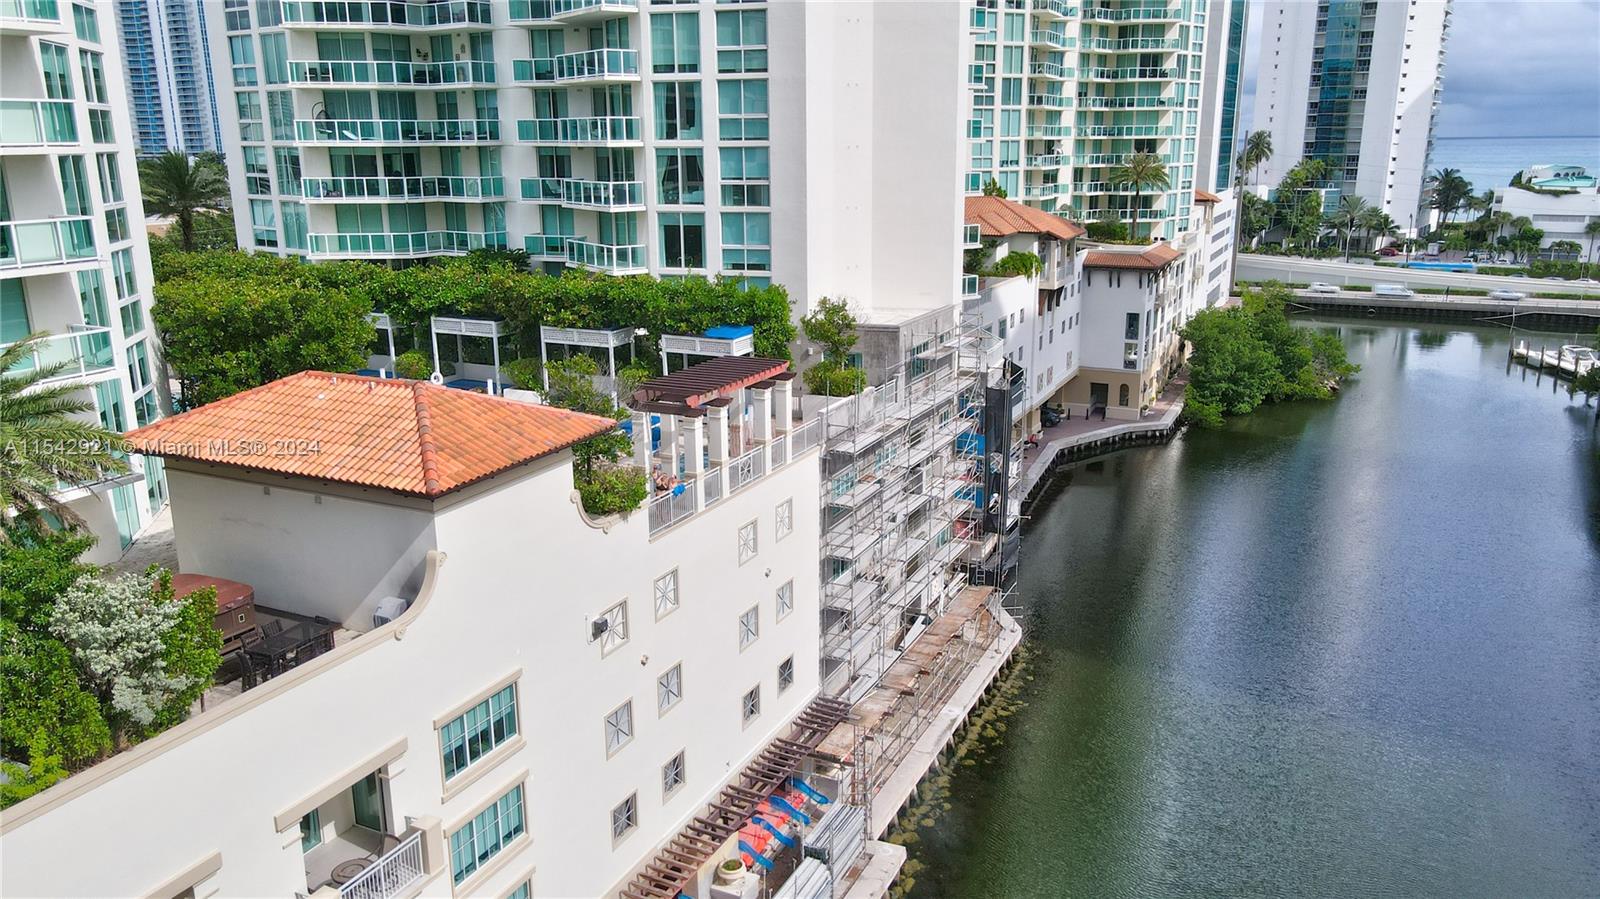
x: 1288, y: 268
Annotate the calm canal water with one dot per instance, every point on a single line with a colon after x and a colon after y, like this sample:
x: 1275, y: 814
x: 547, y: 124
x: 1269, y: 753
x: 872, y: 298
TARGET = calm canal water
x: 1341, y: 649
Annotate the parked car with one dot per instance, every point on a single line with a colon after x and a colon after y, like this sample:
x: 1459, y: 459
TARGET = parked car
x: 1506, y: 293
x: 1392, y: 290
x: 1586, y: 281
x: 1321, y: 287
x: 1388, y: 251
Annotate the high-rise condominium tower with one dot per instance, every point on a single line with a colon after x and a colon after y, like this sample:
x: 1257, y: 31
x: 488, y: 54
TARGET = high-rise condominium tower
x: 73, y: 261
x: 1355, y: 83
x: 168, y: 68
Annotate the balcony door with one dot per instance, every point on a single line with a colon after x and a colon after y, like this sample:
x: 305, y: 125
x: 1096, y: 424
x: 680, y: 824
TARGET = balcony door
x: 366, y: 798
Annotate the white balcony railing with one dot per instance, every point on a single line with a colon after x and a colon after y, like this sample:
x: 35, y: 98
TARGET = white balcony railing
x: 701, y: 492
x: 46, y: 242
x: 747, y: 468
x: 443, y: 187
x: 398, y: 131
x: 83, y: 351
x: 545, y: 10
x: 382, y: 72
x: 348, y: 13
x: 604, y: 257
x: 605, y: 64
x: 591, y: 130
x: 389, y: 875
x: 404, y: 244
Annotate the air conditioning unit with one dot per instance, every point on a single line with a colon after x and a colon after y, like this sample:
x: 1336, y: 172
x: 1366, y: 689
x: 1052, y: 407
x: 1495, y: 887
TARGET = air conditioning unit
x: 598, y: 628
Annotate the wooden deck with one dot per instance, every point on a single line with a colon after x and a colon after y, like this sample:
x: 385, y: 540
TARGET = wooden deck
x: 903, y: 676
x: 677, y: 864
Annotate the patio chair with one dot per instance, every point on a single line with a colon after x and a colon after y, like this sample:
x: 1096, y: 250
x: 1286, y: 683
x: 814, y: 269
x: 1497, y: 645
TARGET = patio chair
x: 272, y: 628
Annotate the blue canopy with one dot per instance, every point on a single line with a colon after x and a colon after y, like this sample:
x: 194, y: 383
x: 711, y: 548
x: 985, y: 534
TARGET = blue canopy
x: 730, y: 332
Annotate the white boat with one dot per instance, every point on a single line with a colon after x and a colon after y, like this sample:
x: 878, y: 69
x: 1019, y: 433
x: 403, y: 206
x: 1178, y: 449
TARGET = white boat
x: 1576, y: 359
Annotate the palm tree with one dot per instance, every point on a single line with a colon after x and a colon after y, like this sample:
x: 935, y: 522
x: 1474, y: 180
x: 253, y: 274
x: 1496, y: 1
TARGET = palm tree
x: 1380, y: 226
x: 1591, y: 231
x: 1350, y: 212
x: 1450, y: 192
x: 41, y: 445
x: 1256, y: 151
x: 1141, y: 170
x: 172, y: 185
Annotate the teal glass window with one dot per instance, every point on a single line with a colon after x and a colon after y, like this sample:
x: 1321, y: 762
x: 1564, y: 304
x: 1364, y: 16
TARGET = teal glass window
x: 489, y: 832
x: 742, y: 109
x: 675, y: 42
x: 476, y: 732
x: 85, y: 23
x: 683, y: 240
x: 92, y: 65
x: 57, y: 71
x: 742, y: 41
x: 74, y: 185
x: 746, y: 241
x: 677, y: 110
x: 682, y: 175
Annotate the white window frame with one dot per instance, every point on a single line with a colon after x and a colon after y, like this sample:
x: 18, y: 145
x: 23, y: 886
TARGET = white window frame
x: 619, y: 722
x: 616, y: 634
x: 625, y: 814
x: 750, y: 705
x: 666, y: 593
x: 749, y: 626
x: 783, y: 519
x: 784, y: 600
x: 674, y: 774
x: 749, y: 541
x: 669, y: 689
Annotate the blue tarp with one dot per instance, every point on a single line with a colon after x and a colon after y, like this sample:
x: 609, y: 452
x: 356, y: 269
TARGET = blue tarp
x: 730, y: 332
x: 970, y: 443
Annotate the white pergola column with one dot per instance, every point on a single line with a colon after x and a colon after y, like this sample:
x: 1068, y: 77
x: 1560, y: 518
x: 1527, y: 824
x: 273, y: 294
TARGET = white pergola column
x: 694, y: 438
x: 717, y: 443
x: 668, y: 452
x: 783, y: 405
x: 641, y: 440
x: 761, y: 414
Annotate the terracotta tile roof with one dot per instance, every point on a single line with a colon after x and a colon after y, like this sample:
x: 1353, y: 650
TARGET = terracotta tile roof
x: 1152, y: 258
x: 409, y: 437
x: 1205, y: 196
x: 997, y: 217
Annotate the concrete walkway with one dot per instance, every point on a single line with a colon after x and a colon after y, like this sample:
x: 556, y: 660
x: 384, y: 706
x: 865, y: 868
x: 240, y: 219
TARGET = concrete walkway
x: 1160, y: 417
x: 152, y: 546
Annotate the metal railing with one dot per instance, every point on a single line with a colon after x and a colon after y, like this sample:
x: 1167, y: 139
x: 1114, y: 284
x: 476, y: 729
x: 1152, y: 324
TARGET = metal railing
x: 780, y: 445
x: 390, y: 874
x: 1052, y: 38
x: 385, y: 12
x: 1132, y: 14
x: 1129, y: 73
x: 1049, y: 131
x: 27, y: 123
x: 1129, y: 102
x: 670, y: 508
x: 585, y: 194
x: 751, y: 466
x: 1132, y: 43
x: 1128, y: 131
x: 711, y: 487
x: 540, y: 10
x: 413, y: 188
x: 397, y: 130
x: 1055, y: 8
x: 584, y: 65
x: 404, y: 244
x: 1050, y: 101
x: 591, y: 130
x: 465, y: 71
x: 83, y: 350
x: 46, y: 242
x: 1050, y: 70
x: 605, y: 257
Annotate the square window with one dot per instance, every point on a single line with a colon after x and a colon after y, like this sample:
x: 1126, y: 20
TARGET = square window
x: 669, y: 688
x: 619, y: 727
x: 785, y: 600
x: 747, y: 542
x: 785, y: 674
x: 666, y: 593
x: 625, y: 817
x: 672, y: 775
x: 749, y: 626
x: 616, y: 627
x: 750, y: 705
x: 784, y: 519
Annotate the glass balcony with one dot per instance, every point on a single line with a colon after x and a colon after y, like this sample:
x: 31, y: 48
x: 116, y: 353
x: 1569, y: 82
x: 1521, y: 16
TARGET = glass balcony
x: 398, y: 131
x: 27, y: 244
x: 399, y: 13
x: 30, y: 15
x: 37, y: 123
x: 81, y: 352
x: 1050, y: 70
x: 608, y: 195
x: 1133, y: 14
x: 1129, y: 102
x: 442, y: 187
x: 1113, y: 45
x: 306, y: 72
x: 1128, y: 131
x: 588, y: 65
x: 600, y: 130
x: 1051, y: 38
x: 1054, y: 9
x: 570, y: 10
x: 547, y: 246
x: 602, y: 257
x: 403, y: 245
x: 1049, y: 132
x: 1131, y: 73
x: 1050, y: 101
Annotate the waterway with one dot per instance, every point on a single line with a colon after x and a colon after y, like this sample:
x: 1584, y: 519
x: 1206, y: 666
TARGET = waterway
x: 1335, y: 649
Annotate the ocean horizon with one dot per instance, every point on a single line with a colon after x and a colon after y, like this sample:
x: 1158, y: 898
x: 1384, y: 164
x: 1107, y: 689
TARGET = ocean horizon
x: 1490, y: 162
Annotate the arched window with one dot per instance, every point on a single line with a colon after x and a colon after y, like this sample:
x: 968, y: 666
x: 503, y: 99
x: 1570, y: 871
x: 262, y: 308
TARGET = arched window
x: 1122, y: 395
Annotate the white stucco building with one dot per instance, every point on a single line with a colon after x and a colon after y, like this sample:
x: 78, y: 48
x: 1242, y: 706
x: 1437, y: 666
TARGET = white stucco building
x: 622, y: 137
x: 1560, y: 200
x: 524, y: 698
x: 73, y: 259
x: 1356, y: 83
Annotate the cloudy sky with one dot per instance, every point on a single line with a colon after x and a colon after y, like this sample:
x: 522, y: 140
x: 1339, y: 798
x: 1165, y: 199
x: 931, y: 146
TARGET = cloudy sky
x: 1516, y: 68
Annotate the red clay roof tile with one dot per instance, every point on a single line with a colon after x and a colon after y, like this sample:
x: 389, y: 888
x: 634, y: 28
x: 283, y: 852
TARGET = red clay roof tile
x: 409, y: 437
x: 998, y: 217
x: 1205, y: 196
x: 1150, y: 259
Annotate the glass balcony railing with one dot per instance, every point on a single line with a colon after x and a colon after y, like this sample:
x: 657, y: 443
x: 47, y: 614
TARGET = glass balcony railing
x: 407, y: 244
x: 82, y: 351
x: 443, y: 187
x: 1133, y: 14
x: 546, y: 246
x: 544, y: 10
x: 1112, y: 45
x: 46, y: 242
x: 1054, y: 8
x: 1131, y: 73
x: 1050, y: 101
x: 585, y: 194
x: 36, y: 123
x: 1052, y: 38
x: 41, y: 12
x: 466, y: 71
x: 398, y: 131
x: 1050, y: 70
x: 1129, y: 102
x: 1127, y: 131
x: 605, y: 257
x: 385, y: 12
x: 1047, y: 132
x: 595, y: 130
x: 589, y: 65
